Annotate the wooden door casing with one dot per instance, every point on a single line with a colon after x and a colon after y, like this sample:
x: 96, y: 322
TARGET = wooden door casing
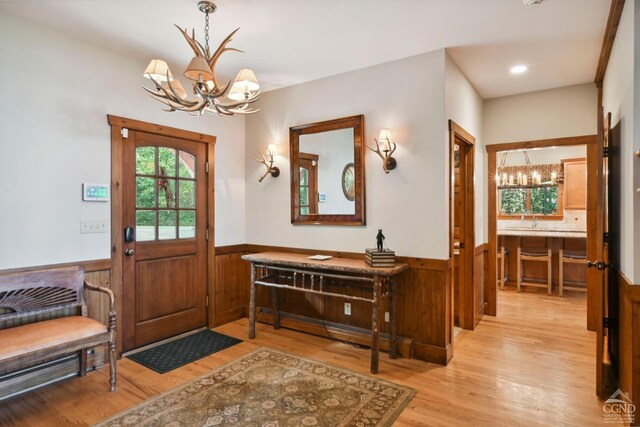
x: 469, y: 298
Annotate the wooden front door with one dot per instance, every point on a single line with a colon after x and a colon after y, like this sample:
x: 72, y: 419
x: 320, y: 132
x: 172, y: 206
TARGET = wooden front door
x: 164, y: 253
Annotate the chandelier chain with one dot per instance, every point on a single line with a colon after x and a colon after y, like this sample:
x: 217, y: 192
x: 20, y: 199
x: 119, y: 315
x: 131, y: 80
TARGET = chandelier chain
x: 206, y: 33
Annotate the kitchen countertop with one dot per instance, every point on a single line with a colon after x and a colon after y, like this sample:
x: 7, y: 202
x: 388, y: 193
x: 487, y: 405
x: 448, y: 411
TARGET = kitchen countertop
x: 541, y: 232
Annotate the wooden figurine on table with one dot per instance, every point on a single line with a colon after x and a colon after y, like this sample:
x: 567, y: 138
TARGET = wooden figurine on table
x: 380, y: 240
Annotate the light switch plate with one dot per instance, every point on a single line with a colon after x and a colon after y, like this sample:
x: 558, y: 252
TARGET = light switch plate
x: 96, y: 226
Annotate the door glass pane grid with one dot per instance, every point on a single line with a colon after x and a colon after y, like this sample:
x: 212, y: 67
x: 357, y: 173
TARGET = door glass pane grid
x: 165, y: 194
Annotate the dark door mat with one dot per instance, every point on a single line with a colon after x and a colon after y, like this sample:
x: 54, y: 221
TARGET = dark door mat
x: 174, y: 354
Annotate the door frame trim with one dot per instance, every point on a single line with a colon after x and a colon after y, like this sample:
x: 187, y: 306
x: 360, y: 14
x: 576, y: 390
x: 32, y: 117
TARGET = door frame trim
x: 117, y: 125
x: 467, y: 308
x: 492, y: 150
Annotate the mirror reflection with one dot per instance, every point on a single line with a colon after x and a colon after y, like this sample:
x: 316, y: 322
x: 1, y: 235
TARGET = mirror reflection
x: 323, y: 158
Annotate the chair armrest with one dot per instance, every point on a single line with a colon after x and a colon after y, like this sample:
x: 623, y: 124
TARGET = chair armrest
x: 112, y: 302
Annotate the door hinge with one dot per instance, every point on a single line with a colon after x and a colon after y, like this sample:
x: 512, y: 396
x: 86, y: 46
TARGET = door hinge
x: 206, y: 234
x: 124, y: 132
x: 605, y: 322
x: 605, y: 237
x: 206, y: 167
x: 605, y: 151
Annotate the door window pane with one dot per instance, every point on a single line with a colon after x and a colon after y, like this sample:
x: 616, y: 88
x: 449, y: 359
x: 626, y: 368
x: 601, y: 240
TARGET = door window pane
x: 145, y: 192
x: 166, y: 161
x: 187, y: 229
x: 304, y: 211
x: 145, y: 225
x: 187, y: 194
x: 166, y: 225
x: 146, y: 161
x: 304, y: 176
x: 304, y: 196
x: 159, y: 194
x: 166, y: 193
x: 187, y: 165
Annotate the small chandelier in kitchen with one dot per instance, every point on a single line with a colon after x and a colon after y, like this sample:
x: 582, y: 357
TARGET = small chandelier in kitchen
x: 211, y: 97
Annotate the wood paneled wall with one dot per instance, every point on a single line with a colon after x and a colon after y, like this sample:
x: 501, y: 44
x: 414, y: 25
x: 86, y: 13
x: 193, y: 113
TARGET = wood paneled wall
x: 425, y: 297
x: 628, y: 338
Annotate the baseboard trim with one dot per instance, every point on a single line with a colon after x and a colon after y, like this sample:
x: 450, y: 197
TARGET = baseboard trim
x: 432, y: 353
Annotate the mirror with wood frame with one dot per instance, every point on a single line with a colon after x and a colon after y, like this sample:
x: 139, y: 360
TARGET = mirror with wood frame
x: 327, y: 172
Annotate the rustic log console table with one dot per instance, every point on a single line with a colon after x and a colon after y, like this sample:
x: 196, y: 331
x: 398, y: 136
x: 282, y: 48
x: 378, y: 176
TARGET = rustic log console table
x: 297, y: 272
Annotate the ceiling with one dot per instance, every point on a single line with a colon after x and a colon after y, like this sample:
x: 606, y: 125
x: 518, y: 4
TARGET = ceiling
x: 293, y: 41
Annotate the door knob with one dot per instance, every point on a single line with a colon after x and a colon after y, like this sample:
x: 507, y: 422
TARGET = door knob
x: 599, y: 265
x: 129, y: 252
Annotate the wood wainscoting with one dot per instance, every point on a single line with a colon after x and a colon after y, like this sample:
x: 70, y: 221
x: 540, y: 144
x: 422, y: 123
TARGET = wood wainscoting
x: 628, y: 338
x: 425, y: 297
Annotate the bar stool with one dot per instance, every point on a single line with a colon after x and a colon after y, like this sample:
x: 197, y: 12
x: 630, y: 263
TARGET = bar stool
x: 538, y: 255
x: 502, y: 267
x: 571, y: 257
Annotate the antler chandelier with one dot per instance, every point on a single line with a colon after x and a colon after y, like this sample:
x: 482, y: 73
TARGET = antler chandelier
x: 210, y: 96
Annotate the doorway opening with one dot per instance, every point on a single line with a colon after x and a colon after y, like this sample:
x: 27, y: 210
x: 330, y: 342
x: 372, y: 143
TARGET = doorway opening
x: 538, y: 220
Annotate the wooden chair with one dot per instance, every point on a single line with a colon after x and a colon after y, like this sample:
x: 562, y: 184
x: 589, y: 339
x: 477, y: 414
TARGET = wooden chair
x: 538, y: 254
x: 571, y: 257
x: 502, y: 268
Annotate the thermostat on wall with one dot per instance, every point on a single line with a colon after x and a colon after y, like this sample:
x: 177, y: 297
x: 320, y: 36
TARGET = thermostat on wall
x: 95, y: 192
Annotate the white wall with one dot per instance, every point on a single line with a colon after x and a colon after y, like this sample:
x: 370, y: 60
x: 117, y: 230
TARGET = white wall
x: 553, y: 113
x: 465, y: 107
x: 409, y: 203
x: 335, y: 151
x: 618, y: 99
x: 56, y: 93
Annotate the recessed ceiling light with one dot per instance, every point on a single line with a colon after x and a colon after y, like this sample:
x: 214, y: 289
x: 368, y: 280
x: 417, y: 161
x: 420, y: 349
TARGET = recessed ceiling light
x: 518, y: 69
x: 532, y: 3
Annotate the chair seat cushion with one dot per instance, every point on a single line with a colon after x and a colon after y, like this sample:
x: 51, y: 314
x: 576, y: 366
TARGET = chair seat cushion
x: 534, y: 252
x: 574, y: 255
x: 33, y: 337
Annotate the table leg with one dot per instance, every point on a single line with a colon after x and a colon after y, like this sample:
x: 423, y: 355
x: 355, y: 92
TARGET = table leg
x: 276, y: 308
x: 375, y: 323
x: 393, y: 333
x: 252, y: 304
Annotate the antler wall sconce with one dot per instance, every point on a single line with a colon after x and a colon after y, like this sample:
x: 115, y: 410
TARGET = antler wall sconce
x: 388, y: 147
x: 272, y: 149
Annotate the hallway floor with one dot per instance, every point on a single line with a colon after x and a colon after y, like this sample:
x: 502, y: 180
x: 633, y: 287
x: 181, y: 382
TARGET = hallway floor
x: 533, y: 364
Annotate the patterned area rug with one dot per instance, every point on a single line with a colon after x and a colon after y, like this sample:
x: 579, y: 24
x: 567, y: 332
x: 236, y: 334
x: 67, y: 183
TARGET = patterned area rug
x: 172, y: 355
x: 269, y: 388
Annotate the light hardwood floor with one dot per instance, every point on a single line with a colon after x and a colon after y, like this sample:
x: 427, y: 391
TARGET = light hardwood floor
x: 533, y: 364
